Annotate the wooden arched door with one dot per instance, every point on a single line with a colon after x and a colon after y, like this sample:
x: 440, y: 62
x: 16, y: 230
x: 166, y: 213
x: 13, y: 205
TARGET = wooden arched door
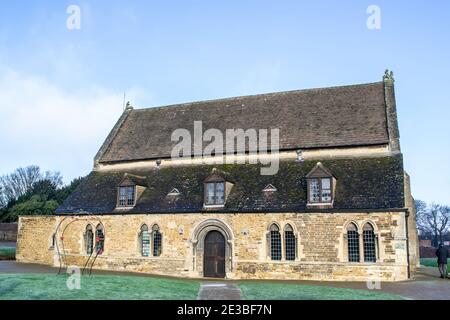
x: 214, y: 255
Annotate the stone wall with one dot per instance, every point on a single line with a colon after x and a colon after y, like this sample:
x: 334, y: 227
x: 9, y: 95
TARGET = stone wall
x: 321, y: 244
x: 8, y: 232
x: 413, y: 237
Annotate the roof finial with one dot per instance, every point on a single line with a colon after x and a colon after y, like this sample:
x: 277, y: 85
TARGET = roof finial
x: 128, y: 106
x: 388, y: 75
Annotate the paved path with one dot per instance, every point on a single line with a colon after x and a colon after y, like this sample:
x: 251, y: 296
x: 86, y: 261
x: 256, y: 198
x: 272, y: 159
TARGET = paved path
x: 219, y: 291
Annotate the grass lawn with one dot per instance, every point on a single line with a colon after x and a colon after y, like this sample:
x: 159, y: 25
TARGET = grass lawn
x: 124, y: 287
x: 285, y: 291
x: 432, y: 262
x: 8, y: 252
x: 95, y: 287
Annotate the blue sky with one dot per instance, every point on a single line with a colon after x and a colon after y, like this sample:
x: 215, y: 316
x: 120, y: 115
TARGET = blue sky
x: 61, y: 90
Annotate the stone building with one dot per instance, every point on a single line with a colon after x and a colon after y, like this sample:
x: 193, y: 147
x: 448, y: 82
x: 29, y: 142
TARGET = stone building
x: 338, y: 208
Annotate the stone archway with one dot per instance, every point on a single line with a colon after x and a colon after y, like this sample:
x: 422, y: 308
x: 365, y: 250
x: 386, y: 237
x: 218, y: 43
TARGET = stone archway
x: 201, y: 231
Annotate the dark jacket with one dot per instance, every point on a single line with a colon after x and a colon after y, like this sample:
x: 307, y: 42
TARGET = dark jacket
x: 442, y: 254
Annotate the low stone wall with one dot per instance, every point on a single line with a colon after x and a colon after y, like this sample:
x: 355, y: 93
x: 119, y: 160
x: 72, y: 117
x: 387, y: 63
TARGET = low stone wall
x: 8, y: 232
x: 321, y: 246
x: 427, y: 252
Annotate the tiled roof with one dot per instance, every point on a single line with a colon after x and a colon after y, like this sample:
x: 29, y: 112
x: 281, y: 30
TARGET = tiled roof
x: 330, y: 117
x: 369, y: 183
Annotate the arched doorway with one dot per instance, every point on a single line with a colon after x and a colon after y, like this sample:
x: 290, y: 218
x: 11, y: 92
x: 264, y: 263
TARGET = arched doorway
x: 214, y: 255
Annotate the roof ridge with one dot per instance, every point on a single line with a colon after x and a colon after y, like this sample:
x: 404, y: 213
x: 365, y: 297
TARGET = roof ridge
x: 196, y: 102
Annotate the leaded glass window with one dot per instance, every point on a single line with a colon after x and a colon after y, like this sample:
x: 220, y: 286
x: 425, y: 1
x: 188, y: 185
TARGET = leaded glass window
x: 215, y: 193
x: 353, y: 243
x: 157, y: 241
x: 122, y: 196
x: 89, y: 240
x: 126, y: 196
x: 369, y: 243
x: 130, y: 196
x: 289, y: 242
x: 145, y: 241
x: 326, y: 190
x: 275, y: 242
x: 99, y: 239
x: 314, y: 191
x: 320, y: 190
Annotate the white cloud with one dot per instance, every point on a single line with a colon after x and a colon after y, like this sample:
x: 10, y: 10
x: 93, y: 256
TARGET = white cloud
x: 45, y: 125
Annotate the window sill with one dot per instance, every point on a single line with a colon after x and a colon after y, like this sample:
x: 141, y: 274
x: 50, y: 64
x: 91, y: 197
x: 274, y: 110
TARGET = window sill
x: 213, y: 206
x: 319, y: 205
x: 124, y: 208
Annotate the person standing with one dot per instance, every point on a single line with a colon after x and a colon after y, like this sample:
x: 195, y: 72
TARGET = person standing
x: 442, y: 256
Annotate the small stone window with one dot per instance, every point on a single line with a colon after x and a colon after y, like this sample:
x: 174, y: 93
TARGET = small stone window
x: 144, y: 240
x: 127, y: 196
x: 320, y: 186
x: 275, y: 242
x: 99, y: 240
x: 353, y: 243
x: 53, y: 241
x: 290, y: 243
x: 369, y: 242
x: 157, y: 241
x: 89, y: 240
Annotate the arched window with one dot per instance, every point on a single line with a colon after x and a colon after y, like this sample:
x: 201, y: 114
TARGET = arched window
x: 275, y: 242
x: 144, y: 240
x: 369, y: 243
x: 89, y: 240
x: 99, y: 239
x: 289, y: 243
x: 157, y: 241
x: 353, y: 243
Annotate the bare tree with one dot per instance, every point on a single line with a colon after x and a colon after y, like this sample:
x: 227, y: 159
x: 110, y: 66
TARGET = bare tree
x: 433, y: 220
x: 3, y: 201
x: 19, y: 182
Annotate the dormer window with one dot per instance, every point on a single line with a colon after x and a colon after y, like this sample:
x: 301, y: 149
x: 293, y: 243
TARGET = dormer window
x: 215, y: 193
x: 127, y: 196
x: 129, y: 190
x: 321, y: 185
x: 320, y: 190
x: 269, y: 188
x: 216, y: 189
x: 174, y: 192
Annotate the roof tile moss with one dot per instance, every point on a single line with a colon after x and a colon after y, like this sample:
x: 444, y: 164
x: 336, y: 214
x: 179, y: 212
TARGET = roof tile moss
x: 362, y: 183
